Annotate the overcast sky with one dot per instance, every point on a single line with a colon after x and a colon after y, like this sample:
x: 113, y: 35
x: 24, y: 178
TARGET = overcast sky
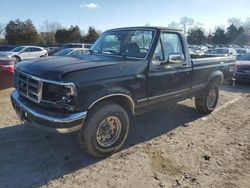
x: 105, y: 14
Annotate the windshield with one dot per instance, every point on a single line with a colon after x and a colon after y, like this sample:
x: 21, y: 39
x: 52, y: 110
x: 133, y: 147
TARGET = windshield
x: 17, y: 49
x: 246, y: 57
x: 63, y: 52
x: 219, y: 51
x: 130, y: 43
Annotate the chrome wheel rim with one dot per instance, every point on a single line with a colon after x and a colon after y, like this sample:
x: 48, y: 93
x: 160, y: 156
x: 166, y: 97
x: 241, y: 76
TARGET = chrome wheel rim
x: 211, y: 98
x: 108, y: 131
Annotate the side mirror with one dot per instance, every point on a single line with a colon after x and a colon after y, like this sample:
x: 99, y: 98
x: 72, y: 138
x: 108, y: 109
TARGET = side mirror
x: 176, y: 58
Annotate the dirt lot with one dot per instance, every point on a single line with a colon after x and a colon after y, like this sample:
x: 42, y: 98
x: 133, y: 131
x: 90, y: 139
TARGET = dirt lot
x: 172, y: 147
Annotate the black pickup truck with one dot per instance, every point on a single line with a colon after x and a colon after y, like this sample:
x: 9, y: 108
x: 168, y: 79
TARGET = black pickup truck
x: 128, y: 71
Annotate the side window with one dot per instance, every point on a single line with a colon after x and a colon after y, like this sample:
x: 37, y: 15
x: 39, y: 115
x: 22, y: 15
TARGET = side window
x: 169, y: 43
x: 27, y: 50
x: 36, y: 49
x: 158, y: 56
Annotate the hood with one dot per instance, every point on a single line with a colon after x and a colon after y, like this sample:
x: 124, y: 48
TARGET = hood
x: 54, y: 68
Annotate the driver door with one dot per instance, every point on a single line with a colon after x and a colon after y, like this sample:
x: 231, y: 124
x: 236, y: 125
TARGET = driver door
x: 26, y: 53
x: 168, y: 81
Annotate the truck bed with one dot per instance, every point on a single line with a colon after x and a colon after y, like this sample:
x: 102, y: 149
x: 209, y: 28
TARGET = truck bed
x: 204, y: 66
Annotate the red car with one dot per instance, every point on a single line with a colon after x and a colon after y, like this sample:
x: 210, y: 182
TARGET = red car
x: 242, y: 71
x: 7, y: 67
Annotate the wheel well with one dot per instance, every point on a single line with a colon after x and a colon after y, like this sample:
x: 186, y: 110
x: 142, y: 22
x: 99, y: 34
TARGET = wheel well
x: 217, y: 79
x: 125, y: 101
x: 16, y: 56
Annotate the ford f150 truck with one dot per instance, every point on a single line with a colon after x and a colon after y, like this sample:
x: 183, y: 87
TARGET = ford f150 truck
x: 128, y: 71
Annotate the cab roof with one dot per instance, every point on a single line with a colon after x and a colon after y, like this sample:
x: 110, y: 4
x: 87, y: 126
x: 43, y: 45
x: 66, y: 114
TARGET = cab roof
x: 146, y: 27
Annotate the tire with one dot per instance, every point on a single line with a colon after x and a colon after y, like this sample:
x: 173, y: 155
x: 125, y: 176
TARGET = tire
x: 45, y: 55
x: 17, y: 59
x: 105, y: 117
x: 207, y: 101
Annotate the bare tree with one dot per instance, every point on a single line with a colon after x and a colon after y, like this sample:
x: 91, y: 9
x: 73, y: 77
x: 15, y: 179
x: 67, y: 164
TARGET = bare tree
x: 197, y: 26
x: 2, y: 28
x: 246, y: 26
x: 186, y: 23
x: 48, y: 32
x: 235, y: 21
x: 174, y: 25
x: 50, y: 26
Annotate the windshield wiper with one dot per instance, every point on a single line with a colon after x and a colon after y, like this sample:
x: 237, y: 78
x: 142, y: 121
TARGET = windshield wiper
x: 115, y: 53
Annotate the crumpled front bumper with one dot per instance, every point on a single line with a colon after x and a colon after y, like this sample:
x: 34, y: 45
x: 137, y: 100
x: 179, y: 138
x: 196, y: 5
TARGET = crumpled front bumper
x: 33, y: 114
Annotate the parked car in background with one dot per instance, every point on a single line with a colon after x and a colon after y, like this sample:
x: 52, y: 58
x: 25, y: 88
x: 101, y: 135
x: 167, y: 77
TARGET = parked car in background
x: 25, y: 52
x: 4, y: 48
x: 7, y: 67
x: 72, y: 52
x: 53, y: 50
x: 242, y: 69
x: 76, y: 45
x: 223, y: 52
x: 208, y: 51
x: 241, y: 52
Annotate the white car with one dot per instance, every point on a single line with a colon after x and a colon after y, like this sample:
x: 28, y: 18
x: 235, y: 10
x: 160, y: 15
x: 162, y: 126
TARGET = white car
x: 25, y: 52
x: 223, y: 52
x: 72, y: 52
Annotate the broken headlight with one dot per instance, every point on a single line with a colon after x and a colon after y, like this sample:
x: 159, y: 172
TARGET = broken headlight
x: 63, y: 93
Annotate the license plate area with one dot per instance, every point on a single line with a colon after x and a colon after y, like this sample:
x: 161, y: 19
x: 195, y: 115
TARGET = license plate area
x: 22, y: 115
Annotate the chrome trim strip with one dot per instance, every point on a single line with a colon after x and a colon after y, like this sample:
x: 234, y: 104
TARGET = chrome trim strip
x: 167, y: 94
x: 198, y: 86
x: 142, y: 100
x: 58, y: 118
x: 211, y: 66
x: 69, y: 130
x: 47, y: 81
x: 163, y: 95
x: 111, y: 95
x: 57, y: 130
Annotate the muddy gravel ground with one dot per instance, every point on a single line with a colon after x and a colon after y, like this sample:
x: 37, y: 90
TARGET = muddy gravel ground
x: 171, y: 147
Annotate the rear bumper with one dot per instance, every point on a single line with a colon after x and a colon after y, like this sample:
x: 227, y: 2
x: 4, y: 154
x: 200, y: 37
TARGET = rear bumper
x: 48, y: 119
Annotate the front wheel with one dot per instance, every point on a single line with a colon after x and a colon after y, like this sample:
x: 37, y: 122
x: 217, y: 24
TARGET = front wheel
x: 17, y: 59
x: 105, y: 130
x: 207, y: 101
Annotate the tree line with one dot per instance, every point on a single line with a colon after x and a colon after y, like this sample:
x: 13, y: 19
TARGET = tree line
x: 18, y: 32
x: 236, y: 33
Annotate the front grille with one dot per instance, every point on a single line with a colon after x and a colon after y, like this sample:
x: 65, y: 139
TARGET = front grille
x: 28, y: 86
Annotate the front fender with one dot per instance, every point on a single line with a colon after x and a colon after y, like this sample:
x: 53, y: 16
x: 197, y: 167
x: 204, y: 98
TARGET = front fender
x: 110, y: 92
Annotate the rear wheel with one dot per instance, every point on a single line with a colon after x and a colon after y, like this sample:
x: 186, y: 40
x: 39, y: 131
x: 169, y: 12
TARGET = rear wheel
x: 105, y: 131
x: 207, y: 101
